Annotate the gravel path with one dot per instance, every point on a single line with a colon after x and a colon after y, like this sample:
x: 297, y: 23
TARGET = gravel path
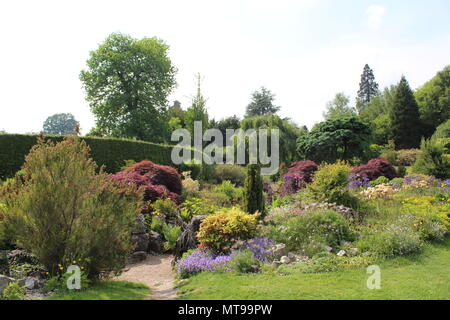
x: 156, y: 272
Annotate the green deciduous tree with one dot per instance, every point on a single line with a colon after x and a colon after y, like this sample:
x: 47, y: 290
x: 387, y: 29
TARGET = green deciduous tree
x: 127, y: 82
x: 332, y: 140
x: 434, y: 101
x: 261, y: 104
x: 339, y: 108
x: 406, y: 126
x: 60, y: 123
x: 368, y: 88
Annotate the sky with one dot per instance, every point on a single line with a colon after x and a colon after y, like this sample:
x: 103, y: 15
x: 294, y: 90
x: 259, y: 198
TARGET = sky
x: 304, y: 51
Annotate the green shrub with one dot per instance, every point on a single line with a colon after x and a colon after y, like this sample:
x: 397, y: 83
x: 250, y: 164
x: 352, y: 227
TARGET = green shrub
x: 243, y: 262
x: 14, y: 291
x: 165, y: 207
x: 311, y: 231
x: 66, y: 211
x: 171, y: 234
x: 330, y: 185
x: 156, y: 224
x: 233, y: 194
x: 432, y: 161
x: 219, y: 231
x: 378, y: 181
x: 230, y: 172
x: 253, y: 190
x: 197, y: 207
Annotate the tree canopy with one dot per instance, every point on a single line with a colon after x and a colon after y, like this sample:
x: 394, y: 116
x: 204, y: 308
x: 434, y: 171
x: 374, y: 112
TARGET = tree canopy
x: 261, y: 104
x: 339, y: 108
x: 60, y: 123
x: 127, y: 82
x: 368, y: 88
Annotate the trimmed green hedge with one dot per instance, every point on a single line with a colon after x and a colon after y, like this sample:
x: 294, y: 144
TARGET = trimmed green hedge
x: 110, y: 152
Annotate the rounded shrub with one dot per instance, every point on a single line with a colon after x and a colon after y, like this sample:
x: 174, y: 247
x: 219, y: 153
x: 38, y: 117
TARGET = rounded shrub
x: 298, y: 175
x: 230, y: 172
x: 376, y: 168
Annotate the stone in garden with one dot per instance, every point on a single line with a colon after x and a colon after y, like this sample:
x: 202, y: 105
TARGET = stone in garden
x: 341, y: 253
x: 138, y: 256
x: 187, y: 239
x: 285, y: 260
x: 155, y: 243
x: 279, y: 251
x: 328, y: 249
x: 31, y: 284
x: 141, y: 241
x: 4, y: 281
x: 345, y: 243
x: 140, y: 225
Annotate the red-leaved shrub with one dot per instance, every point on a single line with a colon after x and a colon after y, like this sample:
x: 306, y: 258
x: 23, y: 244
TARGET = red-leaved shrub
x: 299, y: 174
x: 159, y: 182
x: 375, y: 168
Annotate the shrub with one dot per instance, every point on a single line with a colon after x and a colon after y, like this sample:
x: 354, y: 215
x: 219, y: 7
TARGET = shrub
x: 432, y: 160
x: 259, y: 247
x: 330, y: 185
x: 201, y: 261
x: 190, y: 186
x: 219, y: 231
x: 230, y: 172
x: 157, y: 224
x: 379, y: 180
x: 197, y: 207
x: 253, y: 190
x: 14, y: 291
x: 165, y: 207
x: 243, y: 262
x: 64, y: 210
x: 356, y: 181
x: 407, y: 157
x: 381, y: 191
x: 171, y: 234
x: 299, y: 174
x: 311, y: 231
x: 376, y: 168
x: 233, y: 194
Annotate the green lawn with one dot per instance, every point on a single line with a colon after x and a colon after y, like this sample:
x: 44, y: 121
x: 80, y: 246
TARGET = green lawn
x: 420, y: 276
x: 107, y: 290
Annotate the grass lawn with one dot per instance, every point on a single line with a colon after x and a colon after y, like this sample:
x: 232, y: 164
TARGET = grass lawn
x: 107, y: 290
x: 419, y: 276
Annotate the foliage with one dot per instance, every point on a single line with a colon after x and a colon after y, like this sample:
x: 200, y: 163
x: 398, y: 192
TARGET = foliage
x: 190, y: 186
x: 261, y: 104
x: 14, y: 291
x: 298, y: 175
x: 197, y: 111
x: 243, y: 262
x: 379, y: 180
x: 230, y: 172
x: 443, y: 131
x: 368, y: 88
x: 65, y: 211
x: 311, y: 231
x: 427, y: 207
x: 334, y: 139
x: 253, y: 190
x: 379, y: 191
x: 407, y: 157
x: 406, y: 127
x: 233, y: 194
x: 171, y: 234
x: 127, y: 82
x: 219, y: 231
x: 374, y: 169
x: 433, y: 99
x: 339, y: 108
x: 259, y: 247
x: 330, y: 185
x: 61, y: 123
x: 432, y: 161
x: 165, y: 207
x: 201, y: 261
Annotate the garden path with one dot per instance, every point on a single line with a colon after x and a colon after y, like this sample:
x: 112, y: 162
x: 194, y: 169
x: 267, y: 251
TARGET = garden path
x: 155, y: 272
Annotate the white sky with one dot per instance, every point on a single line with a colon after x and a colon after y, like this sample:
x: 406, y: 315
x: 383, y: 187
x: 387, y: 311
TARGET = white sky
x: 305, y: 51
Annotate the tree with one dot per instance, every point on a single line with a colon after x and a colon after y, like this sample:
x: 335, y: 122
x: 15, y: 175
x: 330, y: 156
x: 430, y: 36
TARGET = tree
x: 60, y: 123
x: 261, y: 104
x: 127, y: 82
x: 368, y: 88
x: 404, y: 117
x: 253, y: 190
x: 339, y: 139
x: 197, y: 111
x: 339, y: 108
x: 232, y: 123
x: 432, y: 160
x: 434, y: 101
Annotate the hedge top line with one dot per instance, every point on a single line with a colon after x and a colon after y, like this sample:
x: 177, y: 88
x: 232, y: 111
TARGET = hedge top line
x: 108, y: 152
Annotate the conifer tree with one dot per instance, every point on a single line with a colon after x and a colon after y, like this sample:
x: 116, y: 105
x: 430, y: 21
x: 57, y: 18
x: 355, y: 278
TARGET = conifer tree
x: 253, y: 190
x: 368, y: 88
x: 405, y: 121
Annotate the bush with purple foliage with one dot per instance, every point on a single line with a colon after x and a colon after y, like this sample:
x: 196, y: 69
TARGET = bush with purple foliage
x: 299, y: 174
x: 375, y: 168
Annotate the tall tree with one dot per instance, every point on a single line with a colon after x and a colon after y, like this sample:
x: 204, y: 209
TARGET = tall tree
x: 368, y: 88
x: 404, y: 117
x: 197, y: 111
x: 434, y: 101
x: 261, y: 104
x: 127, y: 82
x: 339, y: 108
x: 60, y: 123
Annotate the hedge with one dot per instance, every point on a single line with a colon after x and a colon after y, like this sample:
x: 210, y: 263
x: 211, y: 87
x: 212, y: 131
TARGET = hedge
x: 108, y: 152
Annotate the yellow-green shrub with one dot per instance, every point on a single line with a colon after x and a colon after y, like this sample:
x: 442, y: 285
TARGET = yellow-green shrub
x: 219, y: 231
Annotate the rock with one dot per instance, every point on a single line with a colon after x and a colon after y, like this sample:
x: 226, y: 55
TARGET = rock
x: 4, y: 265
x: 353, y: 251
x: 140, y: 225
x: 138, y: 256
x: 285, y: 260
x: 345, y: 243
x: 341, y: 253
x: 278, y: 251
x: 4, y: 281
x: 155, y: 243
x: 328, y: 249
x: 141, y: 241
x: 187, y: 239
x: 32, y: 283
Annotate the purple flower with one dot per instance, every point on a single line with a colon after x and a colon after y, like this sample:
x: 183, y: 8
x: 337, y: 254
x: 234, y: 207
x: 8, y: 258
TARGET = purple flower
x: 358, y: 181
x: 202, y: 260
x: 260, y: 247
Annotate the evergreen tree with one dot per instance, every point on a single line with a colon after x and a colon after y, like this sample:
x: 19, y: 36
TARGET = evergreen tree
x: 261, y: 104
x: 368, y: 88
x: 253, y: 190
x: 197, y: 111
x: 404, y: 117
